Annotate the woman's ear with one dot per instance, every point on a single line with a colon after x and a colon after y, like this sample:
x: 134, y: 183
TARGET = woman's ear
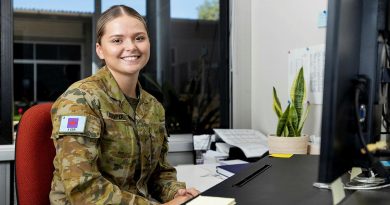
x: 99, y: 51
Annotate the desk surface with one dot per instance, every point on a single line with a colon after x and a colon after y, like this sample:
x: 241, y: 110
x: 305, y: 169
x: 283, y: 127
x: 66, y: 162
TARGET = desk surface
x: 288, y: 181
x: 201, y: 176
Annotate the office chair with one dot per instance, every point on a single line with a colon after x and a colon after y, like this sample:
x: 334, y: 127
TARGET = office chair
x: 34, y: 154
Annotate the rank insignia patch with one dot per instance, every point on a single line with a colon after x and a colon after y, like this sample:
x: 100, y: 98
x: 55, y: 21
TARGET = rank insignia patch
x: 72, y: 124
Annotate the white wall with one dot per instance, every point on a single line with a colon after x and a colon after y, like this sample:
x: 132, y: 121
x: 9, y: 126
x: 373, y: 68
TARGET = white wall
x: 276, y: 26
x: 241, y: 62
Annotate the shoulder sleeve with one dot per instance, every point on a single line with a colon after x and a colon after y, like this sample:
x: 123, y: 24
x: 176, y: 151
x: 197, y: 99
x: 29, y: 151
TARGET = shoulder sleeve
x: 76, y: 103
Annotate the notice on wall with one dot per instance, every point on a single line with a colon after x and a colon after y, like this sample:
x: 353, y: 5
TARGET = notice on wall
x: 312, y: 59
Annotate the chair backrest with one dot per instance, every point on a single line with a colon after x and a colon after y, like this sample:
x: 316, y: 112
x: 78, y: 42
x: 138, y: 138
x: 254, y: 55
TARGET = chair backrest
x: 34, y: 154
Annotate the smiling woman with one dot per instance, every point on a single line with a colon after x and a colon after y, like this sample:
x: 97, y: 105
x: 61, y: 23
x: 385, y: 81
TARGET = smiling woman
x: 104, y: 159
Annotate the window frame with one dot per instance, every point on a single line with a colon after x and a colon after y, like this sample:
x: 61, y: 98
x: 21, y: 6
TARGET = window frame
x: 35, y: 62
x: 6, y: 95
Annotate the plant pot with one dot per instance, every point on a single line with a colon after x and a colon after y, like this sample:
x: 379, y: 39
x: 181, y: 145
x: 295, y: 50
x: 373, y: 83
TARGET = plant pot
x: 288, y: 145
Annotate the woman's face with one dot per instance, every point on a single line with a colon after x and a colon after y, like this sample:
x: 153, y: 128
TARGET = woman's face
x: 124, y: 45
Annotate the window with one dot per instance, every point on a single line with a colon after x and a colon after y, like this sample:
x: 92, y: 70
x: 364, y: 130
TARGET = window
x: 43, y: 71
x: 58, y: 52
x: 52, y: 49
x: 188, y: 70
x: 24, y: 82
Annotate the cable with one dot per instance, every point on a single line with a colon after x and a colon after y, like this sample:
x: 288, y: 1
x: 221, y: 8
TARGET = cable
x: 363, y: 143
x: 376, y: 164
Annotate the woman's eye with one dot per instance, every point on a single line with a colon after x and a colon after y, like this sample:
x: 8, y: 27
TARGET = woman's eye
x: 140, y: 38
x: 116, y: 41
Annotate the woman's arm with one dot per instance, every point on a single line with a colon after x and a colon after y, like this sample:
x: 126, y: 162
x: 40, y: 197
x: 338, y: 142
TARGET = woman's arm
x: 163, y: 182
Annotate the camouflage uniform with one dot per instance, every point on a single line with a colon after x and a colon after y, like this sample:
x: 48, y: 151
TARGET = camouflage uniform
x: 120, y: 158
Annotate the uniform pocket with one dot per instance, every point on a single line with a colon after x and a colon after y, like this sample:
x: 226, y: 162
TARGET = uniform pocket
x: 118, y: 138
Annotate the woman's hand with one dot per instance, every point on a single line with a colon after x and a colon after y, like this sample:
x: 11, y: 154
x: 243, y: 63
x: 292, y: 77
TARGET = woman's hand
x: 178, y: 200
x: 182, y: 196
x: 192, y: 192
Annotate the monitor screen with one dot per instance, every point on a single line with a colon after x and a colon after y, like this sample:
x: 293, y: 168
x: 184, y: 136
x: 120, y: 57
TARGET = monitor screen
x: 353, y: 101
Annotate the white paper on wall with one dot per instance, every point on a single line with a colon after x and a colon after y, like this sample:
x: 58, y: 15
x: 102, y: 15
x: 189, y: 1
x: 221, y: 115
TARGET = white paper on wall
x: 313, y: 61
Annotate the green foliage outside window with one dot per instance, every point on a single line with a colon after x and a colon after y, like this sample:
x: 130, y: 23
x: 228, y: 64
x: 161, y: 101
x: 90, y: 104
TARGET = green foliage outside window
x: 209, y: 10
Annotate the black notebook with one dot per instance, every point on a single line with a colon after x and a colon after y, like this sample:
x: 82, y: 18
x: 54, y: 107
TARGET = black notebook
x: 231, y: 169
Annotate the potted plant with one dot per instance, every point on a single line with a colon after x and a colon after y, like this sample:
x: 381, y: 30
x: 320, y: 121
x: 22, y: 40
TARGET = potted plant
x: 289, y: 138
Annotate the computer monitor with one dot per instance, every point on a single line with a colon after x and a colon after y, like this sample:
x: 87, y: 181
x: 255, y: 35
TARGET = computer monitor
x: 353, y: 72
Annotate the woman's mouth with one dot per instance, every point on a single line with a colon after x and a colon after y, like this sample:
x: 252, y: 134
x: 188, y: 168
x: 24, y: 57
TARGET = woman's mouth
x: 130, y: 58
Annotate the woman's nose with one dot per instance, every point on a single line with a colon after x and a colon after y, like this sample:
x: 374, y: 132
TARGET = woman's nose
x: 130, y: 45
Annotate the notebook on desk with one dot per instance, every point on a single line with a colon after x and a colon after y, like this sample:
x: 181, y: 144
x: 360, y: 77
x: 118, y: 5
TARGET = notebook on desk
x: 209, y: 200
x: 231, y: 169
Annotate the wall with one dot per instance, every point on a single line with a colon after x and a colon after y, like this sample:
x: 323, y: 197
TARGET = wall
x: 276, y: 27
x: 241, y: 63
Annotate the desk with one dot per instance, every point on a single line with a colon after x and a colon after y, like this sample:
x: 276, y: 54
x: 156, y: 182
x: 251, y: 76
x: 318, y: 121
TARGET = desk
x: 288, y: 181
x: 180, y: 149
x: 7, y: 152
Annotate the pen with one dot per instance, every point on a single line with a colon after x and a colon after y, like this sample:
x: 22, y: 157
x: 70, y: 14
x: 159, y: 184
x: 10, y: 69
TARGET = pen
x: 252, y: 176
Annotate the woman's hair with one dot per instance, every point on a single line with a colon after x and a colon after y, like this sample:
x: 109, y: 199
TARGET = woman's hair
x: 113, y: 13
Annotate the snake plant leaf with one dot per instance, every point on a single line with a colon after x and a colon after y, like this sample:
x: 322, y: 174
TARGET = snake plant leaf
x: 283, y: 122
x: 285, y: 131
x: 293, y: 118
x: 291, y: 129
x: 292, y: 122
x: 303, y: 119
x: 276, y: 105
x: 298, y: 92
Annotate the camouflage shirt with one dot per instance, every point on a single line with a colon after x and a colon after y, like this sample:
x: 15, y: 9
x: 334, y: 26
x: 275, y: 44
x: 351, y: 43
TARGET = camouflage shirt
x: 96, y: 159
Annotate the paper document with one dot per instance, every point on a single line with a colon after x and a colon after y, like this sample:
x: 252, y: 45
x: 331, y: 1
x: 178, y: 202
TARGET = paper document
x: 212, y: 156
x: 223, y: 147
x: 252, y: 142
x: 312, y: 59
x: 212, y: 200
x: 200, y: 176
x: 201, y: 142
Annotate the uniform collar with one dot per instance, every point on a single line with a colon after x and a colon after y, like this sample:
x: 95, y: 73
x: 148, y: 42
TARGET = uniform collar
x: 113, y: 90
x: 112, y: 87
